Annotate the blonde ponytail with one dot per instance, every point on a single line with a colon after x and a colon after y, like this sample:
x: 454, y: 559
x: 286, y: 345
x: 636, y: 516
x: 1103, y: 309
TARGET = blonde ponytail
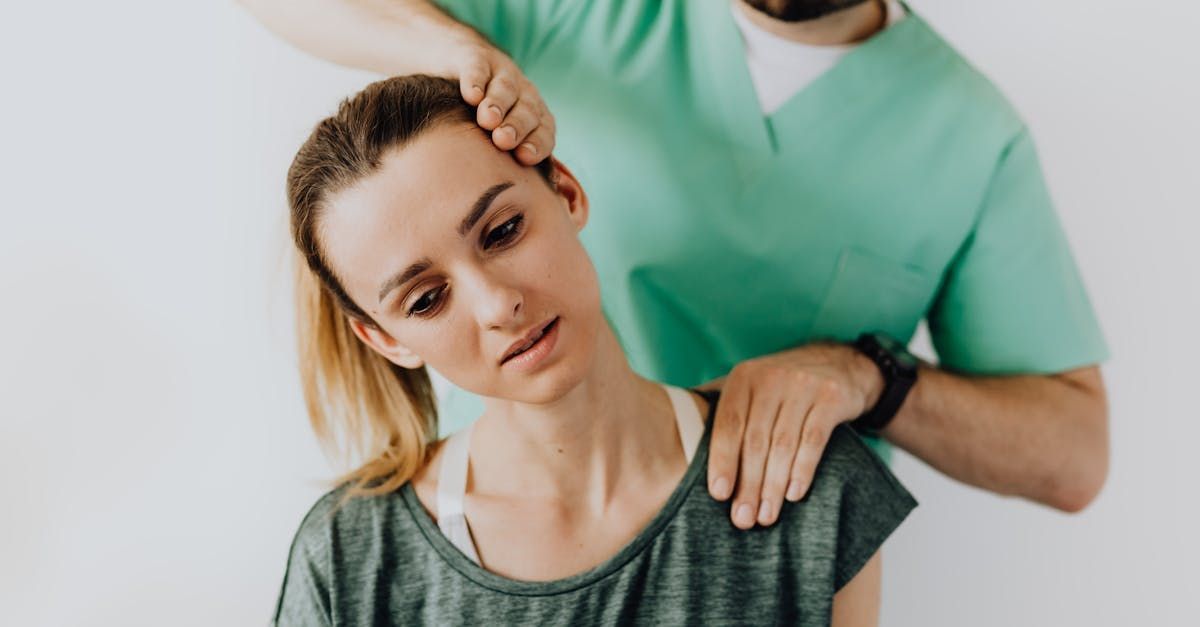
x: 361, y: 406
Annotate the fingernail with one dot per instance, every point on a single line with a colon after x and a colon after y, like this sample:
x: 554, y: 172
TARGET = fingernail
x: 744, y: 515
x: 795, y: 491
x: 508, y: 130
x: 477, y: 89
x: 764, y: 512
x: 495, y: 108
x: 721, y: 488
x: 529, y: 148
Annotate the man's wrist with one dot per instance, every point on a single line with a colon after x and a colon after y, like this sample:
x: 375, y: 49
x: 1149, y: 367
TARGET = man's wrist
x: 446, y: 41
x: 869, y: 380
x: 897, y: 368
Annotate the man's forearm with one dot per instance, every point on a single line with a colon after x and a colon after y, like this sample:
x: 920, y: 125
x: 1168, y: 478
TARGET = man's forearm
x: 392, y: 37
x: 1044, y: 438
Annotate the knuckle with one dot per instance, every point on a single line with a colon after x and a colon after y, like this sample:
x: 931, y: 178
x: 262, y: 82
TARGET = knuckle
x: 720, y: 459
x: 526, y: 113
x: 477, y: 56
x: 828, y: 390
x: 511, y: 86
x: 734, y: 418
x: 501, y: 84
x: 478, y: 62
x: 538, y: 137
x: 814, y: 431
x: 774, y: 485
x: 755, y: 440
x: 783, y: 442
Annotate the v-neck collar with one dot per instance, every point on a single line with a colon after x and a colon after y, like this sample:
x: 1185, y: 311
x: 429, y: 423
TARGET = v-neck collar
x: 755, y: 137
x: 693, y: 479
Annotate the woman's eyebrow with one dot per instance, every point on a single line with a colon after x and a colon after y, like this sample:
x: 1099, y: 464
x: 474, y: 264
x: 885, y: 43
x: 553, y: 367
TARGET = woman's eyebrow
x: 477, y: 210
x: 404, y: 277
x: 481, y: 205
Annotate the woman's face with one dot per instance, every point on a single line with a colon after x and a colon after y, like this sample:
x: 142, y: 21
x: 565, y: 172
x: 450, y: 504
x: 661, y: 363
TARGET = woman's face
x: 461, y: 256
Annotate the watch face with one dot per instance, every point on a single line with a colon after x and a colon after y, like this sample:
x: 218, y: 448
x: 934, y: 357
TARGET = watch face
x: 899, y: 352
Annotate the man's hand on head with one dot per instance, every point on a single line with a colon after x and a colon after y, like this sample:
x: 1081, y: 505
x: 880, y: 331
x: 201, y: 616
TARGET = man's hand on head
x: 773, y: 420
x: 508, y: 104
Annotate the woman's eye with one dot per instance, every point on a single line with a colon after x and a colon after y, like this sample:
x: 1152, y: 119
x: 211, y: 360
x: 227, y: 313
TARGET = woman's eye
x: 426, y: 302
x: 503, y: 233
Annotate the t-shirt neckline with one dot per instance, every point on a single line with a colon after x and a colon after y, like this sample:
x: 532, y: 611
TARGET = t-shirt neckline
x: 507, y: 585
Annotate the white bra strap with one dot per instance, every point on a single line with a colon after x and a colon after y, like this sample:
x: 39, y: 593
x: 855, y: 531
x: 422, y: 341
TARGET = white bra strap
x: 451, y: 492
x: 688, y: 420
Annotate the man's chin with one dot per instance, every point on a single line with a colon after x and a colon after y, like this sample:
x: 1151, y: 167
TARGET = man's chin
x: 800, y: 10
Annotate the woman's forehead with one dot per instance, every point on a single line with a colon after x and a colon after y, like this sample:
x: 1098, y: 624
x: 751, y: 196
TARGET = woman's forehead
x: 420, y: 198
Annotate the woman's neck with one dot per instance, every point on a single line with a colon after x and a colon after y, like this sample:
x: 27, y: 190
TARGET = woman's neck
x: 614, y: 428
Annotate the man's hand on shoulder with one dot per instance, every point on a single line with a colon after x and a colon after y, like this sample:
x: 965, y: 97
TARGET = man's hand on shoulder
x: 773, y: 420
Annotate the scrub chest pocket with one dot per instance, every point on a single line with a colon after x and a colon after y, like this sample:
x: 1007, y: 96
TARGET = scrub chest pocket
x: 871, y: 293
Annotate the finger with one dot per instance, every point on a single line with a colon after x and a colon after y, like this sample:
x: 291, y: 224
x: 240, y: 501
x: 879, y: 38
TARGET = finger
x: 821, y: 420
x: 521, y: 120
x: 725, y: 445
x: 765, y: 402
x: 472, y: 80
x: 500, y: 97
x: 536, y: 147
x: 785, y: 441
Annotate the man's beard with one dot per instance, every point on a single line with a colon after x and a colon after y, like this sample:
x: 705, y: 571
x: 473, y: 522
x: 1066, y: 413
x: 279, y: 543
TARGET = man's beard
x: 801, y: 10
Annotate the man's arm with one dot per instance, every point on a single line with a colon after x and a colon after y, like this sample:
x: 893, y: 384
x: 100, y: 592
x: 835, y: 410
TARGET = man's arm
x: 411, y: 37
x: 390, y: 38
x: 1044, y: 438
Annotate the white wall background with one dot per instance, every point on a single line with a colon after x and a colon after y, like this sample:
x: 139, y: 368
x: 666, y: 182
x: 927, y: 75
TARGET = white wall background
x: 154, y: 455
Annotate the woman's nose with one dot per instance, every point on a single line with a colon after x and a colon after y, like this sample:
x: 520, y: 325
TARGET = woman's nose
x: 499, y: 304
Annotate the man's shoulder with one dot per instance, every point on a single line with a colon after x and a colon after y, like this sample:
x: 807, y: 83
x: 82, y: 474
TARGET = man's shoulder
x: 957, y: 81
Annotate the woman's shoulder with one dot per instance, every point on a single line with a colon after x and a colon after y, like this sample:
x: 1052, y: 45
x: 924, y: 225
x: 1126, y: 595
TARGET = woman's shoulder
x: 344, y: 521
x: 851, y: 479
x: 341, y: 543
x: 848, y: 458
x: 855, y: 503
x: 333, y: 511
x: 347, y: 505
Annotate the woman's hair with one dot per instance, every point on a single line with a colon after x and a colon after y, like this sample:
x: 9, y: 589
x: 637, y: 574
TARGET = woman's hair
x: 360, y: 404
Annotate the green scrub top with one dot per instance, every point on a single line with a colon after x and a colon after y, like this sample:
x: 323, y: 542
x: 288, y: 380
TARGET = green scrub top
x: 897, y: 186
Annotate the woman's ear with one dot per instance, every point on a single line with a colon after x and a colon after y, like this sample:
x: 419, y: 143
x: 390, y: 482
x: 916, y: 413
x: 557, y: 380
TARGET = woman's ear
x: 384, y: 344
x: 571, y: 191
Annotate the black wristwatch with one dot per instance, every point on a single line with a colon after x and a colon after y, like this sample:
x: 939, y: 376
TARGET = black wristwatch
x: 899, y: 369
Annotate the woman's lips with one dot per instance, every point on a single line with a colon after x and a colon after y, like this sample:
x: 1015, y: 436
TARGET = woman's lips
x: 537, y: 353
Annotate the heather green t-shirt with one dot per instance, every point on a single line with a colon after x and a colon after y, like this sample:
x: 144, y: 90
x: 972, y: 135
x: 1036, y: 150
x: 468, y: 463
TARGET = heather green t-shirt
x: 898, y: 186
x: 383, y: 560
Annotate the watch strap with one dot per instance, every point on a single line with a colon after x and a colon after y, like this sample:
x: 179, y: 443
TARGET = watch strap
x: 897, y: 382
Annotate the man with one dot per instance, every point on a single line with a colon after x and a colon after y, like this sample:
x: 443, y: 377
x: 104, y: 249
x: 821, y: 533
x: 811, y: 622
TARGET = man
x: 784, y: 189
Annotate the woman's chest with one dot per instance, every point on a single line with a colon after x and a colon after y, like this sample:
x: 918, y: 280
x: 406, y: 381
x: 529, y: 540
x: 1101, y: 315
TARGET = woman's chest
x: 540, y: 539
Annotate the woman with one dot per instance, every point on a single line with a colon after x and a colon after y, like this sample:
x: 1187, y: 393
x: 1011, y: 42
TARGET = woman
x: 578, y: 496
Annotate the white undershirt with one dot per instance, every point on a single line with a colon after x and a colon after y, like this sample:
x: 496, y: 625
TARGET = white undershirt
x: 780, y: 67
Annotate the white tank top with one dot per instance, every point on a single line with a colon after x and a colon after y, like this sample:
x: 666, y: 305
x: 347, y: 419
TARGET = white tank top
x: 452, y: 476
